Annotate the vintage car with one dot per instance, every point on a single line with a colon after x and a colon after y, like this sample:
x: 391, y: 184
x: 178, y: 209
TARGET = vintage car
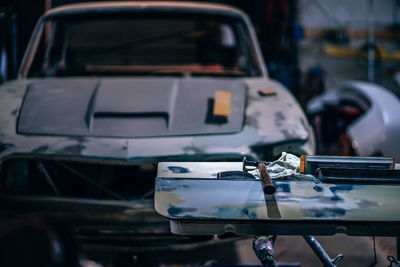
x: 107, y: 90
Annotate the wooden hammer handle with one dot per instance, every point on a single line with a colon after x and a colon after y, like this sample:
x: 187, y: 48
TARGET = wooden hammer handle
x: 268, y: 186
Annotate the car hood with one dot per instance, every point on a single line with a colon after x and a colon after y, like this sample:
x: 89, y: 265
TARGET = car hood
x: 129, y: 107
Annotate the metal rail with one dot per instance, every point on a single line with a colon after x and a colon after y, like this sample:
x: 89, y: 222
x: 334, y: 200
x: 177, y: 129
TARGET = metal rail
x: 321, y: 253
x: 49, y: 180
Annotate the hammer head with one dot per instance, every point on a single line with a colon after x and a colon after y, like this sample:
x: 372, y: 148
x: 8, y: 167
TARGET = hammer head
x: 249, y: 163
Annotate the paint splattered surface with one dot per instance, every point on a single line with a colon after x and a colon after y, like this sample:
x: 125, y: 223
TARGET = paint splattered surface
x: 191, y: 190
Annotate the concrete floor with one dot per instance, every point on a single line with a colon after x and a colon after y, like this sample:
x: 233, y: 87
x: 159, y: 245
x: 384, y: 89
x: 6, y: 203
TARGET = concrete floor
x: 357, y: 251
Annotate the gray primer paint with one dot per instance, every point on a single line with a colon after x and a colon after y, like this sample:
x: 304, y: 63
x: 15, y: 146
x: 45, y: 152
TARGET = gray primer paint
x: 124, y: 107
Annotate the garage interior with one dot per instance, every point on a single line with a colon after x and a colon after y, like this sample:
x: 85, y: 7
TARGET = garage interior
x: 310, y: 46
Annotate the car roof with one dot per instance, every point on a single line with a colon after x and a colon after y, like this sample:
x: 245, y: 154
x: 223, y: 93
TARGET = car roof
x: 104, y: 7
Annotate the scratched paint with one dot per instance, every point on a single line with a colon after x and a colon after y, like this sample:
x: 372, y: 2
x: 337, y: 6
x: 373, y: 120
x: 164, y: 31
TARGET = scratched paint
x: 269, y: 132
x: 200, y: 194
x: 218, y: 199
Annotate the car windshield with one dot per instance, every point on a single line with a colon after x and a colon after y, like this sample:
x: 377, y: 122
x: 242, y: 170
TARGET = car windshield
x: 145, y: 44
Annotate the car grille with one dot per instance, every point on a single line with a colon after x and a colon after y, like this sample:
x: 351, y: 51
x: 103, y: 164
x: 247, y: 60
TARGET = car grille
x: 46, y: 177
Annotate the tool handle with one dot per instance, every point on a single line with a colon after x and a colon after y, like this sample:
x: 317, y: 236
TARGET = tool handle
x: 268, y: 186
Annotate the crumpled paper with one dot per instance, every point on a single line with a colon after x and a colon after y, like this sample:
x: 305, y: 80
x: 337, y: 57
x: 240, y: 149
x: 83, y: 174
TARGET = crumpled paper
x: 285, y: 168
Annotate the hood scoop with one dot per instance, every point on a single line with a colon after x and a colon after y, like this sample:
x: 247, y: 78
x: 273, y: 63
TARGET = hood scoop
x: 120, y: 107
x: 128, y: 107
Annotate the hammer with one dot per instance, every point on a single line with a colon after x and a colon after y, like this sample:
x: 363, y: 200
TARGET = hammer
x: 268, y: 186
